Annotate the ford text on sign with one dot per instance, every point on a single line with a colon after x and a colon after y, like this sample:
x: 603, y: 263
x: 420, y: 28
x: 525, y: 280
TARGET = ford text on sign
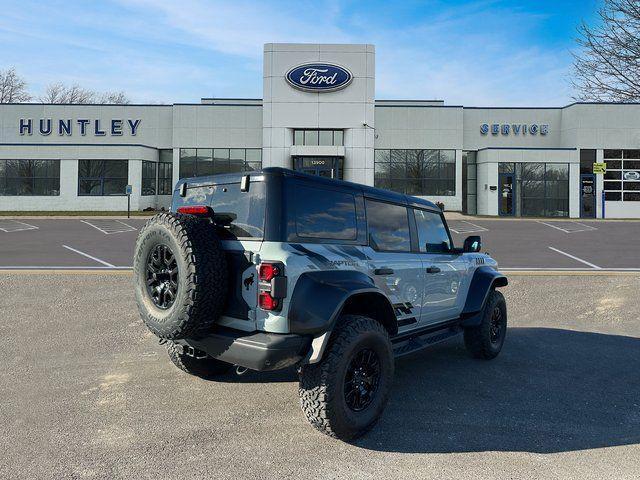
x: 319, y: 77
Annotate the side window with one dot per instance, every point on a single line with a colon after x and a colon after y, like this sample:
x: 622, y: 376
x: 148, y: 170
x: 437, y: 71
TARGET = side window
x: 432, y: 234
x: 323, y: 213
x: 388, y: 227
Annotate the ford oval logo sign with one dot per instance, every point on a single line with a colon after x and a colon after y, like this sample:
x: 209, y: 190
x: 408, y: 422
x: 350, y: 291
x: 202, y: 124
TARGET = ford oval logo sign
x: 631, y: 175
x: 319, y: 77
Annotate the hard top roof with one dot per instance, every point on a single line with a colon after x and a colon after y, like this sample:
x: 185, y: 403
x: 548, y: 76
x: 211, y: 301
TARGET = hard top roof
x: 377, y: 193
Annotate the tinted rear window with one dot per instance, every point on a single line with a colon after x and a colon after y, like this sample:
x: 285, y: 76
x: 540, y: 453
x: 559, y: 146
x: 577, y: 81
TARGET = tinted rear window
x: 388, y: 227
x: 325, y: 213
x: 241, y: 214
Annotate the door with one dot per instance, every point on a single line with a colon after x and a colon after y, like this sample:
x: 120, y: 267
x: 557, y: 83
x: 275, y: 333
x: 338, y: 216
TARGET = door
x: 329, y: 167
x: 587, y: 196
x: 446, y: 283
x: 395, y: 269
x: 506, y: 194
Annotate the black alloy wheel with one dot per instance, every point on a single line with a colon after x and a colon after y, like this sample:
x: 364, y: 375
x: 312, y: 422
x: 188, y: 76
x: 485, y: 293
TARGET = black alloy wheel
x: 497, y: 324
x: 162, y: 276
x: 486, y: 339
x: 345, y: 393
x: 361, y: 380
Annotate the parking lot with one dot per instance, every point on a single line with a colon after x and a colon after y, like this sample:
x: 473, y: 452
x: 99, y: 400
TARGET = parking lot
x: 87, y: 392
x: 68, y: 243
x: 521, y: 244
x: 555, y: 244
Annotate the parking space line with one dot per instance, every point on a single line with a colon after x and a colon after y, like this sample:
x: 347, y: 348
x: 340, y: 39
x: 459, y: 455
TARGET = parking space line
x: 107, y: 264
x: 15, y: 226
x: 474, y: 228
x: 587, y: 228
x: 109, y: 227
x: 596, y: 267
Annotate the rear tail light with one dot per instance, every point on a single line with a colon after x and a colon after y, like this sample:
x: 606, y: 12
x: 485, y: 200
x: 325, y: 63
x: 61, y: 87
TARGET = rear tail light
x: 272, y: 285
x: 268, y: 271
x: 267, y: 302
x: 201, y: 210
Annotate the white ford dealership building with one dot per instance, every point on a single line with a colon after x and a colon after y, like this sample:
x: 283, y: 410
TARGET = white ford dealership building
x: 319, y: 114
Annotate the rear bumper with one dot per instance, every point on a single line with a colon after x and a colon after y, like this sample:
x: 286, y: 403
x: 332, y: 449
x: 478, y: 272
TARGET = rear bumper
x: 255, y: 350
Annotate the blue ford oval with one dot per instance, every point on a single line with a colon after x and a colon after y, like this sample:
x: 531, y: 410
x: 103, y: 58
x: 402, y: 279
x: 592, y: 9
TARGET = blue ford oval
x: 319, y: 77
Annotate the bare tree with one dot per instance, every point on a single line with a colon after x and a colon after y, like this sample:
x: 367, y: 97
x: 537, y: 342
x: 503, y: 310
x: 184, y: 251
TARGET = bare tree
x: 608, y: 66
x: 117, y: 98
x: 13, y: 89
x: 75, y: 94
x: 61, y: 93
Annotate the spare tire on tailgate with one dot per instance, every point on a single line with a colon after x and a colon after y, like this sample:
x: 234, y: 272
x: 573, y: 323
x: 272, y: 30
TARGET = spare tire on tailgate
x: 180, y: 275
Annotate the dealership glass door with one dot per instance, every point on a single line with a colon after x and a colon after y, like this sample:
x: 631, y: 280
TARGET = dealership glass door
x: 587, y: 196
x: 506, y: 196
x: 330, y: 167
x: 469, y: 181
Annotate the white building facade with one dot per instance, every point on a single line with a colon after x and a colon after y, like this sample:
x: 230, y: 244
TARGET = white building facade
x: 318, y: 114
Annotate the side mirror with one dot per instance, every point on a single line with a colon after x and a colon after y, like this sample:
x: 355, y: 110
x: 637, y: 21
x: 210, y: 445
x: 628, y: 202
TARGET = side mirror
x: 472, y: 244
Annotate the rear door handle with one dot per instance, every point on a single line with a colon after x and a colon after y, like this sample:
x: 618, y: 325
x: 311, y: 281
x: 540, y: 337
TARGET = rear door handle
x: 433, y: 270
x: 383, y: 271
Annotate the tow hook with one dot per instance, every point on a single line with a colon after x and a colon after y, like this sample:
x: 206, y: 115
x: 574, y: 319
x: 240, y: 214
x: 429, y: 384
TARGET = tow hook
x: 241, y: 370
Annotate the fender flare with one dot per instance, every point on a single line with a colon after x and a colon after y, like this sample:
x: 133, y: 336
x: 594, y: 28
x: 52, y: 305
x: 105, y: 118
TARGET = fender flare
x: 484, y: 280
x: 319, y: 297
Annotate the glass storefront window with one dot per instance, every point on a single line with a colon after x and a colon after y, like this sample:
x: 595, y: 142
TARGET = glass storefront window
x: 165, y: 172
x: 622, y: 180
x: 165, y: 178
x: 253, y: 158
x: 207, y: 161
x: 102, y: 177
x: 30, y: 177
x: 506, y: 167
x: 325, y: 137
x: 311, y: 137
x: 148, y: 178
x: 220, y: 161
x: 318, y: 137
x: 416, y: 172
x: 612, y: 154
x: 188, y: 162
x: 542, y: 189
x: 469, y: 182
x: 587, y: 159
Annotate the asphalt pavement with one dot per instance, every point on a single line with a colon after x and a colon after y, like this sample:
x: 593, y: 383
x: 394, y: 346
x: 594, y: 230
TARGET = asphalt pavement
x: 518, y: 244
x: 87, y: 392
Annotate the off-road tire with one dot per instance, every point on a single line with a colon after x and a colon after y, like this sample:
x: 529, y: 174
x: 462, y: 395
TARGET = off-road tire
x: 207, y: 367
x: 202, y: 275
x: 478, y: 340
x: 322, y: 389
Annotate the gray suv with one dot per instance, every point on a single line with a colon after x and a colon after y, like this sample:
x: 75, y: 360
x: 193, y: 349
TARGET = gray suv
x: 275, y: 268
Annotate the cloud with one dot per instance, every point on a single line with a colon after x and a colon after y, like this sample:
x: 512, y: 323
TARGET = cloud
x: 482, y: 52
x: 241, y: 27
x: 472, y: 55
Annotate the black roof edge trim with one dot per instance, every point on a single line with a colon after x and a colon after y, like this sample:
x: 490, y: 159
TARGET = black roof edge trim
x: 365, y: 190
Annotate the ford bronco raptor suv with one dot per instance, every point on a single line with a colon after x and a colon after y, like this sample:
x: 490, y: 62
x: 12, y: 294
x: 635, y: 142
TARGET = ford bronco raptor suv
x: 276, y: 268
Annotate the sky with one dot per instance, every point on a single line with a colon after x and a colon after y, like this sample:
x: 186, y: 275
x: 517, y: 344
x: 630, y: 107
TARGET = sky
x: 466, y: 52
